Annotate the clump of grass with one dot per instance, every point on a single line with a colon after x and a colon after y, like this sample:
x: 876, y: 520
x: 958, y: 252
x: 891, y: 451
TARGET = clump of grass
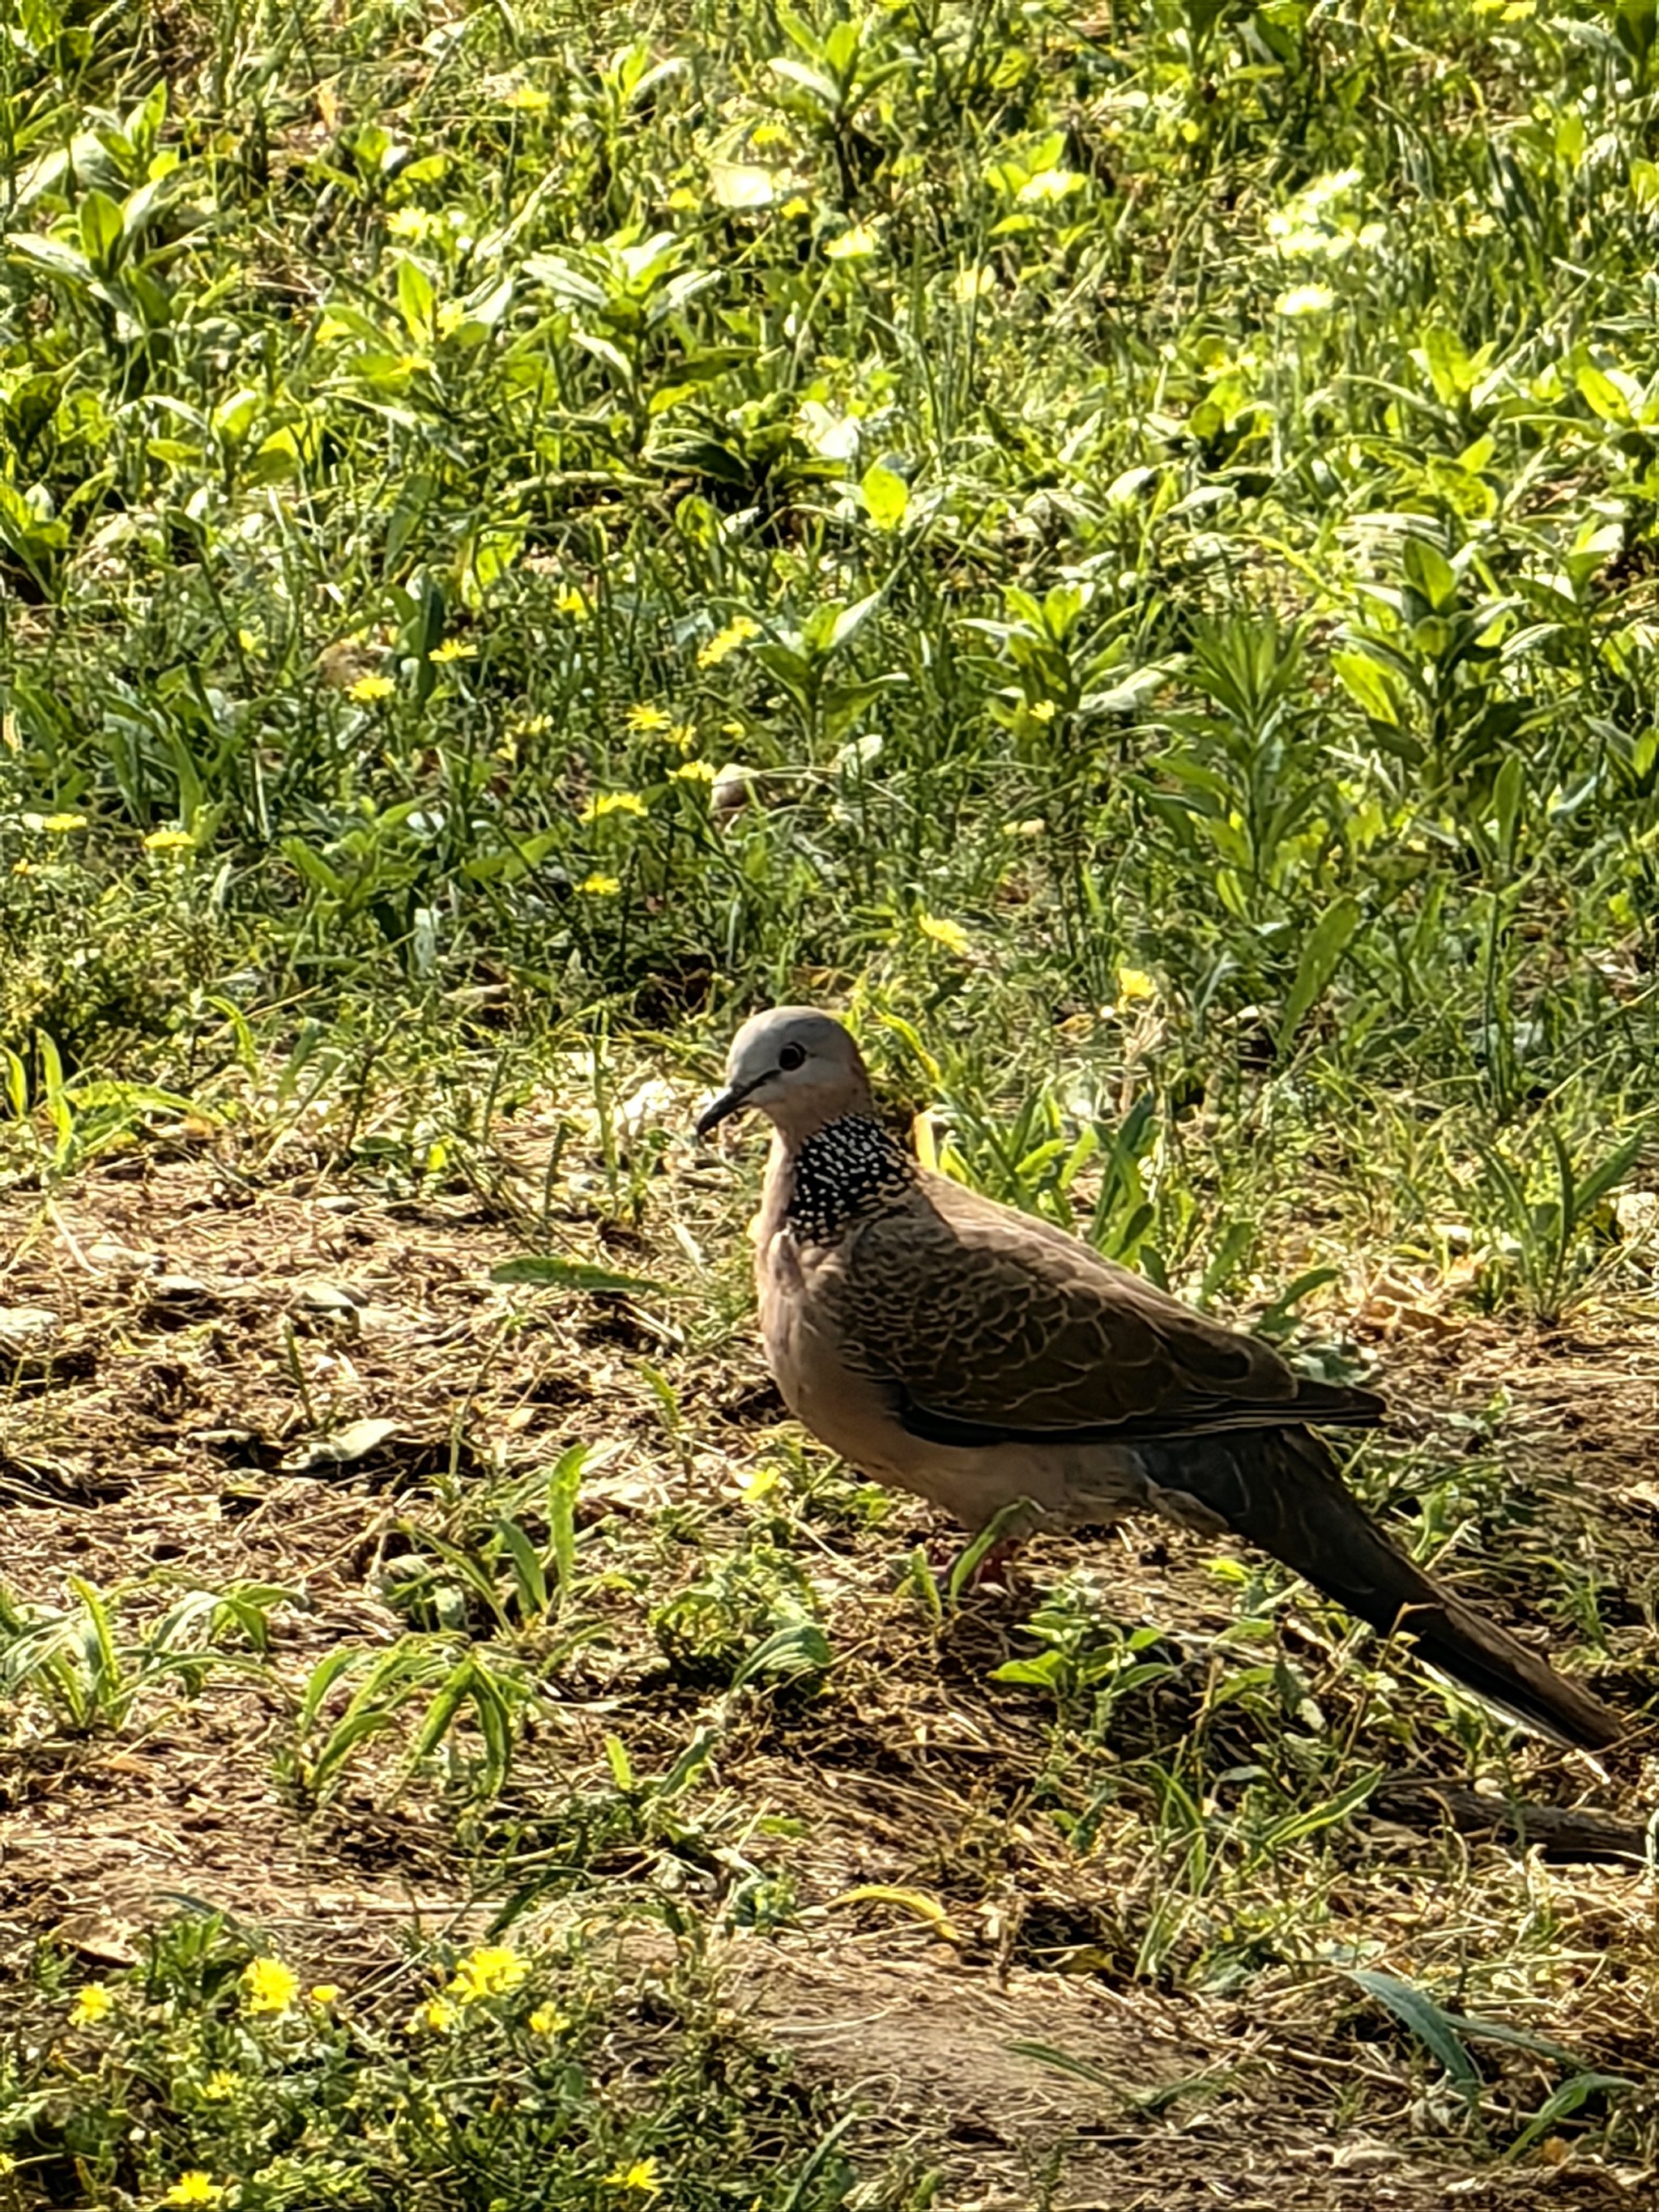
x: 218, y: 2074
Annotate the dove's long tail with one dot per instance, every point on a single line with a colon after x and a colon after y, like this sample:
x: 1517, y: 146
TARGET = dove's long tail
x: 1280, y: 1488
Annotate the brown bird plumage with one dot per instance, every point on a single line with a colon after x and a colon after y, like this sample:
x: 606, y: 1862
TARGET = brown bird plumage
x: 955, y: 1348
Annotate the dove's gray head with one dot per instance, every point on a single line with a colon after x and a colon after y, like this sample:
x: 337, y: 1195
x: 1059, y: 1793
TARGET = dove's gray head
x: 798, y: 1067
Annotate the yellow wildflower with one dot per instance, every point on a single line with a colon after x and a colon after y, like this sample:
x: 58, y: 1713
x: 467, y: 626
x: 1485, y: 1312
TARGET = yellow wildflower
x: 685, y: 735
x: 599, y: 886
x: 1135, y: 984
x: 695, y: 771
x: 196, y: 2188
x: 950, y: 934
x: 268, y: 1986
x: 547, y: 2019
x: 437, y: 2014
x: 612, y: 802
x: 642, y: 2175
x: 410, y: 223
x: 855, y: 244
x: 367, y: 688
x: 738, y: 632
x: 169, y: 840
x: 323, y: 1993
x: 1305, y: 299
x: 571, y: 603
x: 220, y: 2085
x: 92, y: 2004
x: 795, y: 207
x: 490, y: 1971
x: 61, y: 826
x: 529, y: 98
x: 452, y: 648
x: 644, y: 721
x: 681, y: 200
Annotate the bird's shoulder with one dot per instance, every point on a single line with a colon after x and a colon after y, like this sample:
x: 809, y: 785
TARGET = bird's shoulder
x: 1043, y: 1256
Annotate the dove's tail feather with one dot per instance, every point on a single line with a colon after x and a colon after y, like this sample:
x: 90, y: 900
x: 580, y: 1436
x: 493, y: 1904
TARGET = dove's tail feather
x: 1280, y: 1488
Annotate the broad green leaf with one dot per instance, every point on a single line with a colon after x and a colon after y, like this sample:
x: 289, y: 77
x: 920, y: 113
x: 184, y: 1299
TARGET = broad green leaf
x: 826, y: 94
x: 100, y: 226
x: 1450, y: 370
x: 50, y: 254
x: 801, y: 1647
x: 1324, y: 948
x: 1366, y: 684
x: 1428, y: 2021
x: 416, y: 300
x: 1603, y: 396
x: 1428, y: 568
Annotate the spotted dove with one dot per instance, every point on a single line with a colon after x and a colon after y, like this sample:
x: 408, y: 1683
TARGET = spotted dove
x: 975, y: 1356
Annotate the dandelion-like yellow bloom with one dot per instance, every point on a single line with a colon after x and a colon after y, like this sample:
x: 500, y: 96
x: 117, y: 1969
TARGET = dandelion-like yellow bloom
x: 220, y: 2086
x: 547, y: 2019
x: 599, y: 886
x: 61, y: 825
x: 268, y: 1986
x: 1305, y: 299
x: 437, y: 2014
x: 323, y: 1993
x: 856, y: 243
x: 685, y: 735
x: 738, y: 632
x: 196, y: 2188
x: 169, y: 840
x: 613, y: 802
x: 645, y: 721
x: 695, y: 771
x: 642, y: 2175
x: 92, y: 2004
x: 367, y: 688
x: 1135, y: 984
x: 571, y: 603
x: 490, y: 1971
x: 452, y: 648
x: 950, y: 934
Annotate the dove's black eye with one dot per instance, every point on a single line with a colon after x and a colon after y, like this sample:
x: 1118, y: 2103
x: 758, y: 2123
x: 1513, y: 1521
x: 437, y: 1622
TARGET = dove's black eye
x: 792, y: 1057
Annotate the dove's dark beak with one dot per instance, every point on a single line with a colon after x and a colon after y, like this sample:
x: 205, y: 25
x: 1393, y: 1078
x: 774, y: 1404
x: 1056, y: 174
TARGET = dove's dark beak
x: 730, y: 1100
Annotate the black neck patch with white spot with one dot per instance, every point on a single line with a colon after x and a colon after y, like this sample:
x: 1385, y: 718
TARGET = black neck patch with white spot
x: 843, y: 1172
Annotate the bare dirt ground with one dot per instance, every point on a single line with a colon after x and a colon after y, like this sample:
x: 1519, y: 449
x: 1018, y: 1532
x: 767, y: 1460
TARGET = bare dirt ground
x: 174, y: 1336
